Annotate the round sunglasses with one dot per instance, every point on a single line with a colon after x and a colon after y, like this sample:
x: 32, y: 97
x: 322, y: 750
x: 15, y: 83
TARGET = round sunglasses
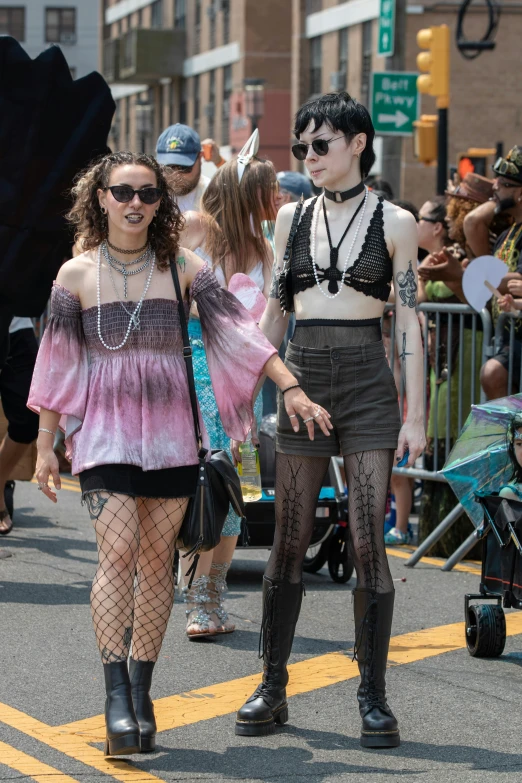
x: 319, y: 146
x: 124, y: 194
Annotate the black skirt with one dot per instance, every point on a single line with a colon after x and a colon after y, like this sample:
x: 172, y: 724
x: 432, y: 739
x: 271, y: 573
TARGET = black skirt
x: 131, y: 480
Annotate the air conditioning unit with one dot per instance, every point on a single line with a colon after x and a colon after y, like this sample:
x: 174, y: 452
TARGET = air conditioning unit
x: 68, y: 38
x: 210, y: 110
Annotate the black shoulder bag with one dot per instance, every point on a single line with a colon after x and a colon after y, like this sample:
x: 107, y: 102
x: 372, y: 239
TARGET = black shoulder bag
x: 218, y: 483
x: 286, y: 294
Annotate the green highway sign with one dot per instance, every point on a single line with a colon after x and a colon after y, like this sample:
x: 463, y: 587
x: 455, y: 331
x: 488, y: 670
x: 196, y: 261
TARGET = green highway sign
x: 386, y: 44
x: 395, y: 102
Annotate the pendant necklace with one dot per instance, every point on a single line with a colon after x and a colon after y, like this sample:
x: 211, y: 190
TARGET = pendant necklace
x: 123, y: 266
x: 331, y: 274
x: 134, y: 318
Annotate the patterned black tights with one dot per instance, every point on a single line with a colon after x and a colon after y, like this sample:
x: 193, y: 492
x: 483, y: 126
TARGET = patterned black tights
x: 133, y: 589
x: 298, y: 482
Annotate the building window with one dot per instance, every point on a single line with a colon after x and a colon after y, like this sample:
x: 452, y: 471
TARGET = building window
x: 179, y: 14
x: 227, y: 92
x: 128, y: 51
x: 196, y: 97
x: 183, y: 102
x: 342, y: 79
x: 225, y: 6
x: 60, y: 25
x: 12, y: 22
x: 211, y: 106
x: 156, y: 14
x: 312, y: 6
x: 316, y: 56
x: 197, y: 27
x: 212, y: 14
x: 366, y: 62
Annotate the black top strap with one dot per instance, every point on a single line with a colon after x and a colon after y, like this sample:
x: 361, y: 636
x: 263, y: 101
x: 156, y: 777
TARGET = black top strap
x: 187, y: 355
x: 291, y: 235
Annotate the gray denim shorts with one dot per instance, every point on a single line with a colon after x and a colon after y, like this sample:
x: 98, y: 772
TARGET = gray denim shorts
x: 356, y: 386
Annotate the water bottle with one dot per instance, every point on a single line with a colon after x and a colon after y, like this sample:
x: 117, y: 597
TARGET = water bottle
x: 249, y: 472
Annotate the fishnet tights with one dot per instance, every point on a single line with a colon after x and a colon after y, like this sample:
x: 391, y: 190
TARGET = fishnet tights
x: 133, y: 589
x: 298, y: 482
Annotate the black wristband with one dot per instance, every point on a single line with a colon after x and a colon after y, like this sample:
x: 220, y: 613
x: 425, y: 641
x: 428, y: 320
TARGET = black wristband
x: 295, y: 386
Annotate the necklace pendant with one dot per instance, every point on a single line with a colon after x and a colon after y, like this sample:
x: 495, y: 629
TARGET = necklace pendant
x: 136, y: 324
x: 124, y: 285
x: 333, y: 288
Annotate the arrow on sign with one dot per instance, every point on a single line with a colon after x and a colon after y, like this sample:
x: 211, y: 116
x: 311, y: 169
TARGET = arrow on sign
x: 398, y: 119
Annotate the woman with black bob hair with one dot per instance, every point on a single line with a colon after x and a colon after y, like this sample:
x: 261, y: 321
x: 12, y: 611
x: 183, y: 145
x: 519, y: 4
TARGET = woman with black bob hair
x: 347, y: 249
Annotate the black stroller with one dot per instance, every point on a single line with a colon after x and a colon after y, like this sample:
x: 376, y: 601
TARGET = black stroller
x: 329, y: 542
x: 501, y: 579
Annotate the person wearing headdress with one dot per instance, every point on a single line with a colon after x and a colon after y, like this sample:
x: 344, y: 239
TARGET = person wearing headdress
x: 228, y: 235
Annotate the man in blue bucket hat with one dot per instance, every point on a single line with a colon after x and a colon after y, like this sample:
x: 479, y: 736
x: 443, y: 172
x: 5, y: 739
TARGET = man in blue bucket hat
x: 292, y: 185
x: 179, y: 148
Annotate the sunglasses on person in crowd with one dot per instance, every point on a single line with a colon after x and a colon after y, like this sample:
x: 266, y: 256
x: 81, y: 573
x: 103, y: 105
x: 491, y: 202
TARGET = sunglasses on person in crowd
x: 427, y: 219
x: 181, y: 169
x: 504, y: 184
x: 124, y: 194
x: 319, y: 146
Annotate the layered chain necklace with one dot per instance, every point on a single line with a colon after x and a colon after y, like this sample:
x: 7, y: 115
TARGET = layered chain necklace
x: 123, y: 267
x: 134, y: 316
x: 333, y: 275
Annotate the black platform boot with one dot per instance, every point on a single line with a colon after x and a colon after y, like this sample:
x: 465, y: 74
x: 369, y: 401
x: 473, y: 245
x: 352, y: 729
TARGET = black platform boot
x: 373, y: 614
x: 268, y: 706
x: 141, y: 678
x: 123, y: 733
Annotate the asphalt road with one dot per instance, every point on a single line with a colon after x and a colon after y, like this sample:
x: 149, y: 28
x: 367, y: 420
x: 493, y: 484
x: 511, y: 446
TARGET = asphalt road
x: 460, y: 717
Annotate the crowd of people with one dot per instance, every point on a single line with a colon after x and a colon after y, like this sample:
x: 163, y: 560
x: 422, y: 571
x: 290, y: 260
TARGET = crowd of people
x: 110, y: 374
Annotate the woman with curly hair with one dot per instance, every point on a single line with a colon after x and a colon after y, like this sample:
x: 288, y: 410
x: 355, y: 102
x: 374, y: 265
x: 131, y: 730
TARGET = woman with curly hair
x: 110, y: 372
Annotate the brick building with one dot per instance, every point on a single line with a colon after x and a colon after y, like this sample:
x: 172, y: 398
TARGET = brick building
x: 186, y: 61
x: 334, y: 47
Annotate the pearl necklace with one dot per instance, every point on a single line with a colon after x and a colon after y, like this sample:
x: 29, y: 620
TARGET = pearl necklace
x: 313, y: 245
x: 135, y: 315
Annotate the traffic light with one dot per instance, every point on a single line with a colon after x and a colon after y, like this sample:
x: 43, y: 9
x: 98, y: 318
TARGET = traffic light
x: 425, y: 139
x: 434, y: 63
x: 475, y: 160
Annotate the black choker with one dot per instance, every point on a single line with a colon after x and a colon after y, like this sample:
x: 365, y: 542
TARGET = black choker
x: 336, y: 195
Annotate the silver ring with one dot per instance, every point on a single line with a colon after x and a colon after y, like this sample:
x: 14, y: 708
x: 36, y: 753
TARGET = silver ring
x: 292, y: 415
x: 310, y: 418
x: 316, y: 415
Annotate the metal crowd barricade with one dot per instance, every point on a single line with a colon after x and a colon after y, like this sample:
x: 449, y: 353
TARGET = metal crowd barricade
x: 452, y: 319
x: 505, y: 332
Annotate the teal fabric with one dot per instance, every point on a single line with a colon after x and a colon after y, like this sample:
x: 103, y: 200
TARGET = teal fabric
x: 207, y: 402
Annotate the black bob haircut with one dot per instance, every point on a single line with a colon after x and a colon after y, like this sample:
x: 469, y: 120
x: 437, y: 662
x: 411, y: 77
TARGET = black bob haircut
x: 341, y: 113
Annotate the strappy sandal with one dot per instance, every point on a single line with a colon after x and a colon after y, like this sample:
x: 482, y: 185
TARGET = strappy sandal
x: 199, y: 623
x: 5, y: 519
x: 217, y: 590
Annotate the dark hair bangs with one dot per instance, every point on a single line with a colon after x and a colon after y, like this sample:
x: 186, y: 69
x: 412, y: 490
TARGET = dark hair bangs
x: 341, y: 113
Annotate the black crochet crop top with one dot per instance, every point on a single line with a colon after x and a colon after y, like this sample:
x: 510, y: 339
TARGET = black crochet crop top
x: 372, y: 271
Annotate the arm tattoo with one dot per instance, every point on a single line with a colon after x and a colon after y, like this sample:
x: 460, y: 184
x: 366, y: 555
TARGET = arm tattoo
x: 181, y: 263
x: 404, y: 353
x: 274, y: 285
x: 407, y: 287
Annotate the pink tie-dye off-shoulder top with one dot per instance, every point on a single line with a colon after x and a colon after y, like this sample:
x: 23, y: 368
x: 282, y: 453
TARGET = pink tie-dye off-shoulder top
x: 132, y: 406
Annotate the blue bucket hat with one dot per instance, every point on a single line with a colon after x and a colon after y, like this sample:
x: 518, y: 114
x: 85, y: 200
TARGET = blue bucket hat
x: 178, y: 145
x: 294, y: 183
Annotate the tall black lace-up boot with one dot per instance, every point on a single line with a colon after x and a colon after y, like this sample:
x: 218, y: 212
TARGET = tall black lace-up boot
x: 123, y: 733
x: 141, y: 678
x: 268, y: 706
x: 373, y: 614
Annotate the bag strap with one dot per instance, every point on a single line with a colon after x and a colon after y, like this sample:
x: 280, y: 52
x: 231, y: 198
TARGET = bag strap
x: 291, y: 235
x: 187, y: 355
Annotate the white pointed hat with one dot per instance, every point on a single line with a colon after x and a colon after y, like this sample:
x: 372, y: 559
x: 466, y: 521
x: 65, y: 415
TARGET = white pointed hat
x: 247, y: 153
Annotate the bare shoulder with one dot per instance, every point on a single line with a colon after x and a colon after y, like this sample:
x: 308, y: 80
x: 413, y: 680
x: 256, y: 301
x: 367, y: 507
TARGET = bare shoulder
x: 398, y: 222
x: 287, y: 212
x: 72, y: 275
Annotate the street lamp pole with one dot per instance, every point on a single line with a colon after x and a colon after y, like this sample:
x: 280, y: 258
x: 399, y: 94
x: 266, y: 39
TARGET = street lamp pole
x: 254, y: 100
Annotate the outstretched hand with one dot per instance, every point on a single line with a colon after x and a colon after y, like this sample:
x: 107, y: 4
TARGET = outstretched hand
x: 46, y: 466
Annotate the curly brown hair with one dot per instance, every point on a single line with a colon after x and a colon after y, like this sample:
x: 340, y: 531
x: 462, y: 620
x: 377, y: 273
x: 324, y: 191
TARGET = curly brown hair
x: 90, y: 223
x: 456, y: 209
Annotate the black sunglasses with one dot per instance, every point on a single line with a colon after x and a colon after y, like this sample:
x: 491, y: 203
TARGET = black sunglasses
x: 319, y: 146
x: 124, y: 194
x: 180, y: 169
x: 427, y: 219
